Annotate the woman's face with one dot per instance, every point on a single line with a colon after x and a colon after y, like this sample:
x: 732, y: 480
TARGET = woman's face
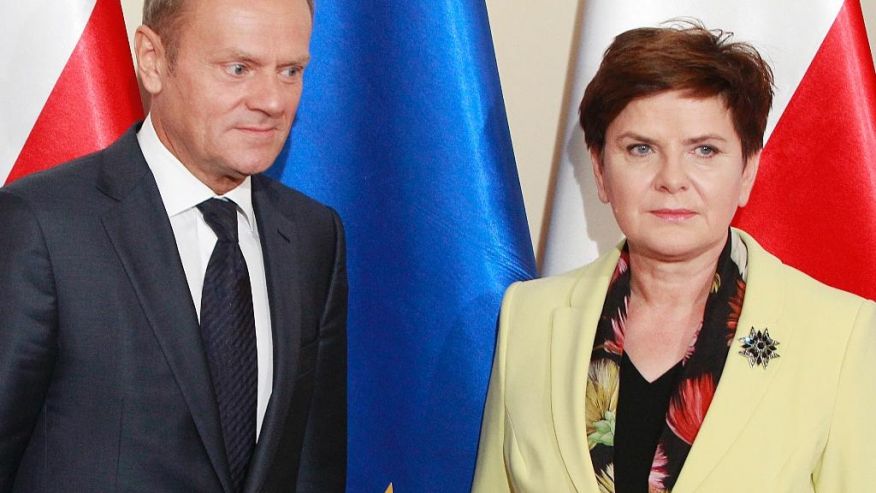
x: 673, y: 172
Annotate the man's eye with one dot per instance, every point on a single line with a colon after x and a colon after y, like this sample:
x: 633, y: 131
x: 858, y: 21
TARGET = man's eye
x: 291, y: 72
x: 235, y: 69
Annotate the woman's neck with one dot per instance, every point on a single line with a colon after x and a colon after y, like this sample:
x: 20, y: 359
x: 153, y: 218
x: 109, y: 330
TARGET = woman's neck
x: 667, y: 301
x: 661, y: 283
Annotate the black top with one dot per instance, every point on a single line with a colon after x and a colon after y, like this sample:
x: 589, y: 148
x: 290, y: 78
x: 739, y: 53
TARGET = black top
x: 641, y: 418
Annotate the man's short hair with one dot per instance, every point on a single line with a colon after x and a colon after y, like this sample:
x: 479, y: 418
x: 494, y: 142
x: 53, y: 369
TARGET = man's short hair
x: 165, y: 16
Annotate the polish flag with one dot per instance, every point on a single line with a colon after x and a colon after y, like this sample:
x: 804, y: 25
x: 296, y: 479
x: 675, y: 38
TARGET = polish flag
x: 814, y: 202
x: 67, y: 87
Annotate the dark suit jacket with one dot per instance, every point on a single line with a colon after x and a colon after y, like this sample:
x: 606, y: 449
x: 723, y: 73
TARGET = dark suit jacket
x: 104, y: 385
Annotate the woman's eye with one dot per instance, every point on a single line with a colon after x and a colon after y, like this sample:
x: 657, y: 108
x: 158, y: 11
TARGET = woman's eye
x: 639, y: 149
x: 706, y: 151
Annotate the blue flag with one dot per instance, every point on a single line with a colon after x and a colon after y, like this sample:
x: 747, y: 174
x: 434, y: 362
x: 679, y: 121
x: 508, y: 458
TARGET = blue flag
x: 402, y: 129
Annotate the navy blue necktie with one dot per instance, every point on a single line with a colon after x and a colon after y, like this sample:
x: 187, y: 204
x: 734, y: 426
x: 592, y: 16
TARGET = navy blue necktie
x: 228, y: 333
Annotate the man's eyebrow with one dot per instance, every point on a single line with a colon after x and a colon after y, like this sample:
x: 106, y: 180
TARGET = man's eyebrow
x: 237, y: 55
x: 300, y: 61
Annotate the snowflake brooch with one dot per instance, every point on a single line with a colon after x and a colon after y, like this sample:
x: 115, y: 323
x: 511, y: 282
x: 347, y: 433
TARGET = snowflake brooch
x: 759, y: 347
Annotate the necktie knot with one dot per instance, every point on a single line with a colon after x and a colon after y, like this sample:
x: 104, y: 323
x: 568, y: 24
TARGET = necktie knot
x: 221, y: 216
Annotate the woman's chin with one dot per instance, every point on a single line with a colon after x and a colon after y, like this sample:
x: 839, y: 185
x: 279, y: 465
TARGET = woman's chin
x: 675, y: 248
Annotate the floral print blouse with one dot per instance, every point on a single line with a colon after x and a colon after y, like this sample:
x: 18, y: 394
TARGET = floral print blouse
x: 700, y: 372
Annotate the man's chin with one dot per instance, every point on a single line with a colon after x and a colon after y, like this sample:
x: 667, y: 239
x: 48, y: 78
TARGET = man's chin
x: 253, y: 168
x: 252, y: 160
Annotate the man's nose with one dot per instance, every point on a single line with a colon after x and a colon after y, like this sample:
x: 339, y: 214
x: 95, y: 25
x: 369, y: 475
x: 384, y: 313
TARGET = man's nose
x: 269, y: 94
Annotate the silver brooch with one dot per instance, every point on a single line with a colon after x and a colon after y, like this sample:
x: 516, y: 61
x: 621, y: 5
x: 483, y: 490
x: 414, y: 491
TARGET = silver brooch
x: 759, y: 347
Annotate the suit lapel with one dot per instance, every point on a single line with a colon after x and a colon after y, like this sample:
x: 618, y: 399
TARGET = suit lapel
x: 278, y: 236
x: 140, y: 233
x: 742, y: 387
x: 573, y: 331
x: 571, y: 342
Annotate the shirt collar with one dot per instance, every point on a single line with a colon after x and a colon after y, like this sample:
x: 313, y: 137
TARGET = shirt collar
x: 180, y: 190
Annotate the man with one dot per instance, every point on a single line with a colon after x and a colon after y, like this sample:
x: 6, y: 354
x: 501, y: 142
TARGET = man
x: 170, y: 319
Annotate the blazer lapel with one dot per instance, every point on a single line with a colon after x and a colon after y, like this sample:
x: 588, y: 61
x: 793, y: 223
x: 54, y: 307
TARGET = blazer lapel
x: 741, y: 387
x: 573, y: 331
x: 140, y: 233
x: 279, y: 240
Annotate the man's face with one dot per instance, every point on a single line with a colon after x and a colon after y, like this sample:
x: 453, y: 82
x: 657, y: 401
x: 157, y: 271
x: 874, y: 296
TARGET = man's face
x: 226, y: 106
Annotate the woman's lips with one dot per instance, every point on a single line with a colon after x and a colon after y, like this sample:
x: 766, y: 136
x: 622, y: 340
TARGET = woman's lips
x: 673, y: 215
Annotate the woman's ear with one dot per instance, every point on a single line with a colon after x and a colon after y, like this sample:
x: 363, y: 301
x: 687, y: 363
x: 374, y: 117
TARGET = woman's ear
x: 598, y: 173
x: 749, y: 174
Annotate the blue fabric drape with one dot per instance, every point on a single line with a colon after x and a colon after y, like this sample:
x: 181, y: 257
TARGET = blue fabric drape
x: 402, y: 129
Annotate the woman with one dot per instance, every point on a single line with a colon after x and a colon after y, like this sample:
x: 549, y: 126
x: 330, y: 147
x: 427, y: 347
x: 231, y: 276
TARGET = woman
x: 688, y: 358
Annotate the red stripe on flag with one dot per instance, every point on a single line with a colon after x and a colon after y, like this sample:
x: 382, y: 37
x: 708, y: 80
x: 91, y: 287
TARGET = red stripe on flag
x: 814, y: 202
x: 95, y: 99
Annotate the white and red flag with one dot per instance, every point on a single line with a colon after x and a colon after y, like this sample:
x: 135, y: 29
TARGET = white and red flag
x: 67, y: 86
x: 814, y: 202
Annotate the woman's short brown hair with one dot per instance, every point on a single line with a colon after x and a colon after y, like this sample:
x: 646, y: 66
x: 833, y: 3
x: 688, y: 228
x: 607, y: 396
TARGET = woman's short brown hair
x: 687, y: 57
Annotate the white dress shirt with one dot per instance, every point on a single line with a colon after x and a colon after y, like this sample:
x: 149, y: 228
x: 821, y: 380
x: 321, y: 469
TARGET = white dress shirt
x: 181, y: 192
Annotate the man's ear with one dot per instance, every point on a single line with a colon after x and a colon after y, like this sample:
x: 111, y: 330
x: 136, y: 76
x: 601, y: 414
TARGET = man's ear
x: 152, y: 62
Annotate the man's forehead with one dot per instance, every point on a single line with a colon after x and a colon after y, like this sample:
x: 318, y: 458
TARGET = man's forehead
x: 251, y: 27
x: 192, y: 6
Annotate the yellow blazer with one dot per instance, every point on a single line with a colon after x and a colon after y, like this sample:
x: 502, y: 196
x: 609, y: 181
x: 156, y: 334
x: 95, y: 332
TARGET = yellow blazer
x: 805, y: 423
